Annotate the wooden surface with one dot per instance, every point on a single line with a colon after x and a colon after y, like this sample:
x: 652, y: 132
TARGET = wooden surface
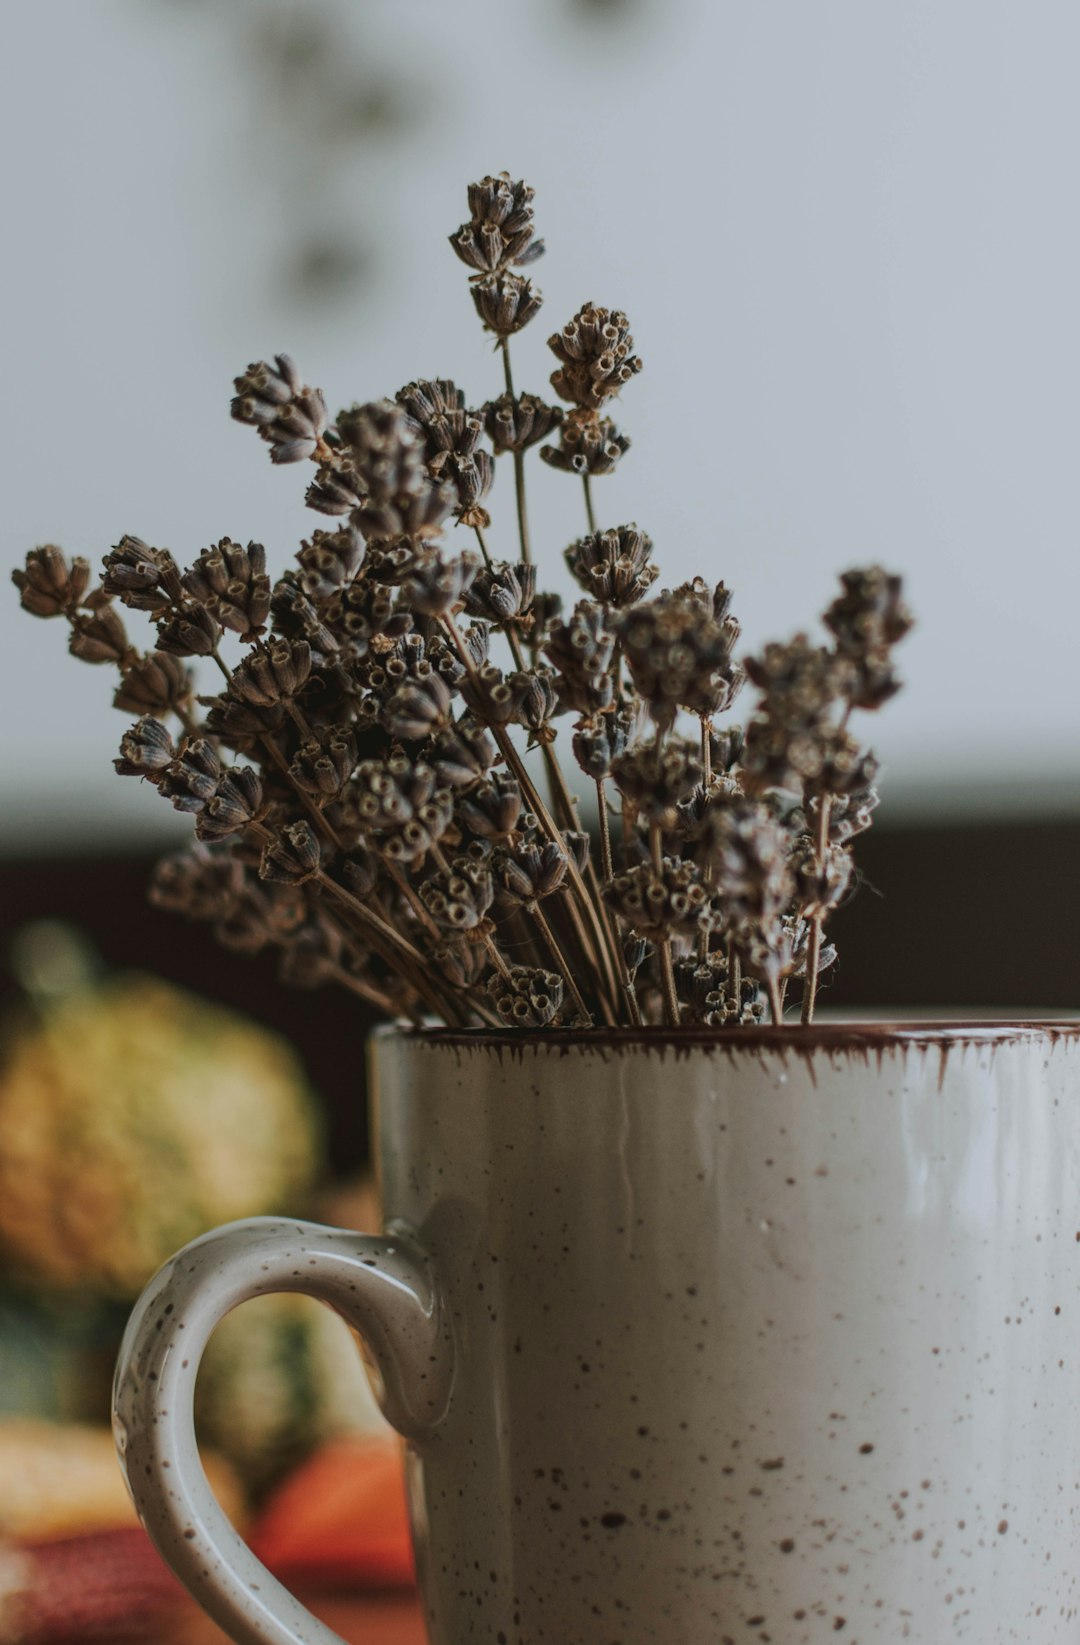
x: 382, y: 1620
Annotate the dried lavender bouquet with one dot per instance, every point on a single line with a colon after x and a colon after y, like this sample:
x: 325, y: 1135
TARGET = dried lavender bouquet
x: 359, y: 782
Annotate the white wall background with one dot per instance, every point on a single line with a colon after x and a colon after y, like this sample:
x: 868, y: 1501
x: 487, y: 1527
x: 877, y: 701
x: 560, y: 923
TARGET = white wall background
x: 845, y: 231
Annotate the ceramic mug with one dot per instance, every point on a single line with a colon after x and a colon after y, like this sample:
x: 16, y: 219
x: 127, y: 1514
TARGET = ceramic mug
x: 764, y: 1334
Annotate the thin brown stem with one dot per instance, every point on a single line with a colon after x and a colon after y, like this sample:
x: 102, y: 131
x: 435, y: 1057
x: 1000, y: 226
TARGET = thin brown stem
x: 482, y: 540
x: 813, y: 952
x: 608, y: 991
x: 522, y: 513
x: 706, y: 749
x: 776, y: 1004
x: 606, y: 867
x: 560, y: 960
x: 395, y: 872
x: 589, y: 512
x: 497, y: 957
x: 667, y: 973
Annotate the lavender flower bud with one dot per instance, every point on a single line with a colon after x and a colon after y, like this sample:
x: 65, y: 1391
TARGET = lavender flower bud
x: 190, y: 632
x: 49, y: 586
x: 492, y: 808
x: 236, y: 802
x: 271, y: 676
x: 595, y: 350
x: 516, y: 423
x: 499, y: 231
x: 458, y: 901
x: 613, y: 566
x: 528, y: 998
x: 506, y: 302
x: 673, y: 903
x: 588, y: 445
x: 145, y: 750
x: 292, y: 857
x: 462, y: 754
x: 190, y: 780
x: 144, y: 578
x: 322, y: 767
x: 231, y: 582
x: 656, y: 785
x: 289, y: 416
x: 502, y: 592
x: 98, y: 634
x: 199, y: 883
x: 154, y: 684
x: 436, y: 585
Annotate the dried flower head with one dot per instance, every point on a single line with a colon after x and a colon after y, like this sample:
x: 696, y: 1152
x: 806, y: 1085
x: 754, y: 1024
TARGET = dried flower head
x: 499, y: 231
x: 588, y: 445
x: 673, y: 902
x: 526, y: 997
x: 613, y: 566
x: 289, y: 416
x: 679, y: 656
x: 49, y: 586
x: 514, y: 423
x: 231, y: 582
x: 595, y: 350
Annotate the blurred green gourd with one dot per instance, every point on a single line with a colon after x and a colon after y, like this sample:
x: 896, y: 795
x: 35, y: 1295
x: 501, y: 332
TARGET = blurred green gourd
x: 133, y: 1117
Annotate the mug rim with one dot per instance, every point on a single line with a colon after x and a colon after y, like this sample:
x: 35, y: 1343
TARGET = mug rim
x: 797, y: 1038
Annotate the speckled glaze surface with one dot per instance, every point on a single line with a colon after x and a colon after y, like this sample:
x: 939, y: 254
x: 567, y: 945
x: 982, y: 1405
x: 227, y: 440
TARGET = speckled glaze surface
x: 766, y: 1337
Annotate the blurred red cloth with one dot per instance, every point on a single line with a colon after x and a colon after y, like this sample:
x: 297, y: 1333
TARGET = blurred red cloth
x: 340, y: 1520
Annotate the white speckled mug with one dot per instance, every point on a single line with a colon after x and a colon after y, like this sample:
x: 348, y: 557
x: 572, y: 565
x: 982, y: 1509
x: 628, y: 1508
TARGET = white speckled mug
x: 768, y: 1334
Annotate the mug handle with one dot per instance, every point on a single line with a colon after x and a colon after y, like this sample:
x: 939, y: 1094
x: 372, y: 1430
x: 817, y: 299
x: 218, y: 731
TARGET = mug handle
x: 382, y: 1286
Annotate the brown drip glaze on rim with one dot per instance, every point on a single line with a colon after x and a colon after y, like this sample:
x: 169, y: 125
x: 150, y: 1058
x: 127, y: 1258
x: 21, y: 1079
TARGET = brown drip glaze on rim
x: 794, y: 1038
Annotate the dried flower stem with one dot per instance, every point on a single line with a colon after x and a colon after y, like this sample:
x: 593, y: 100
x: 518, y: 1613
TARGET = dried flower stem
x: 706, y: 750
x: 589, y: 512
x: 663, y: 944
x: 560, y: 960
x: 597, y: 951
x: 813, y: 952
x: 776, y: 1000
x: 482, y: 541
x: 606, y: 866
x: 519, y: 463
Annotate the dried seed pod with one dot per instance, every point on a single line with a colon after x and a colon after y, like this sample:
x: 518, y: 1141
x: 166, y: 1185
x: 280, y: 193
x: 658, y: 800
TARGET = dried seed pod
x: 531, y: 872
x: 292, y: 856
x: 800, y: 683
x: 144, y: 578
x: 335, y: 488
x: 725, y: 747
x: 289, y: 416
x: 191, y: 631
x: 275, y: 674
x: 323, y: 766
x: 851, y: 814
x: 190, y: 780
x: 506, y: 302
x: 502, y: 592
x: 747, y: 850
x: 386, y: 453
x: 200, y: 883
x: 360, y: 871
x: 499, y: 230
x: 399, y: 805
x: 295, y: 617
x: 613, y: 566
x: 679, y: 656
x: 595, y: 349
x: 154, y: 684
x: 492, y: 808
x: 819, y: 886
x: 145, y: 750
x: 514, y: 423
x: 231, y: 581
x: 98, y: 634
x: 418, y: 708
x: 237, y: 801
x: 462, y: 963
x: 527, y: 997
x: 458, y: 901
x: 494, y: 697
x: 539, y: 701
x: 437, y: 584
x: 48, y: 586
x: 462, y: 754
x: 581, y: 651
x: 656, y: 781
x: 588, y: 445
x: 868, y: 619
x: 578, y: 845
x: 598, y: 742
x: 672, y: 903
